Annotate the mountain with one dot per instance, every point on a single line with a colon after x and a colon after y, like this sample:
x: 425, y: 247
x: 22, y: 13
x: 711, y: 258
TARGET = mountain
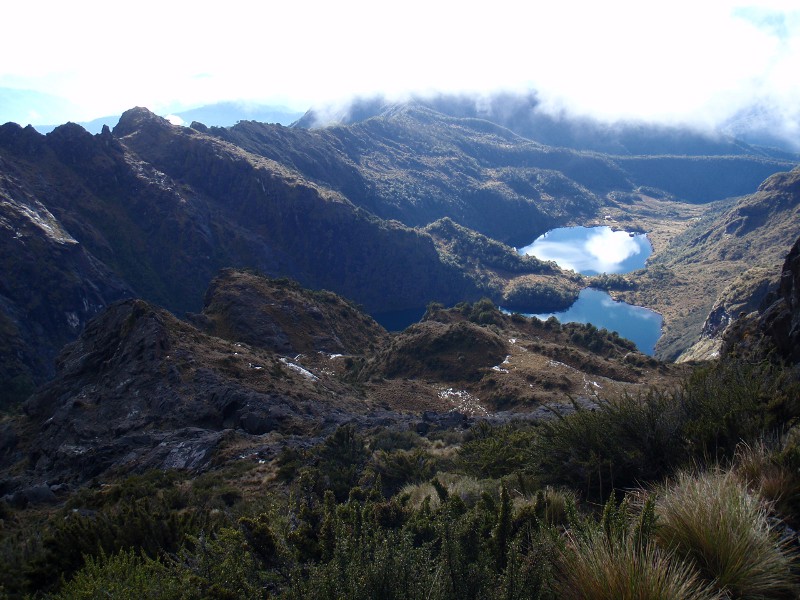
x: 157, y: 210
x: 524, y: 115
x: 395, y: 210
x: 721, y: 264
x: 221, y: 114
x: 414, y: 164
x: 266, y: 362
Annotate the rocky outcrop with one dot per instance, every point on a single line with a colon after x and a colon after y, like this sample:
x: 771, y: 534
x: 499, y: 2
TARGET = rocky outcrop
x: 140, y: 389
x: 271, y: 364
x: 442, y: 352
x: 744, y: 295
x: 281, y: 316
x: 773, y: 331
x: 781, y: 320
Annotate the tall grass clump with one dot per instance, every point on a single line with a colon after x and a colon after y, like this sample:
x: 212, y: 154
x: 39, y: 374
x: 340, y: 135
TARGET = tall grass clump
x: 713, y: 521
x: 601, y: 568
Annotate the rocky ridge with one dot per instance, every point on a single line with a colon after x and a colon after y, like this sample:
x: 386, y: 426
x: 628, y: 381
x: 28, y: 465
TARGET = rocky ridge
x: 141, y: 389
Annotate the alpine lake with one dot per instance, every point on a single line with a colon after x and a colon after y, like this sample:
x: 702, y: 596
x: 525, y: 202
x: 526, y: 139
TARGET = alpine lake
x: 592, y: 251
x: 589, y: 251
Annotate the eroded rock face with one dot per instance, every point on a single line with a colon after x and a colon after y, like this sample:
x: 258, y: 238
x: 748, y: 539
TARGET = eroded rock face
x: 781, y: 321
x: 775, y: 330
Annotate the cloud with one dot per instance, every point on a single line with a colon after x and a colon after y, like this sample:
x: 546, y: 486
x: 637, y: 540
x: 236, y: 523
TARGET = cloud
x: 607, y: 249
x: 678, y: 61
x: 175, y: 120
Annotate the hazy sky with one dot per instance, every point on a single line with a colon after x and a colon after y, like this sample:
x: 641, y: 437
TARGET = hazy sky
x: 690, y: 61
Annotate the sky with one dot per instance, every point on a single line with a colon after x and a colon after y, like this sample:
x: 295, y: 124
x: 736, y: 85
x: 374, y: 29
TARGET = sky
x: 679, y: 61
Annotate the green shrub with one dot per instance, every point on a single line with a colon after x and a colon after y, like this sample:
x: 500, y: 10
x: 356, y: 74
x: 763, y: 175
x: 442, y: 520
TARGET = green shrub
x: 126, y: 575
x: 496, y: 451
x: 730, y: 402
x: 618, y: 445
x: 400, y: 467
x: 148, y: 526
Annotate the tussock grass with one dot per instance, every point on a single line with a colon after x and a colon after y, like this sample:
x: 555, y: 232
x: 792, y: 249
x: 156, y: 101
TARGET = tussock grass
x: 762, y: 471
x: 712, y: 520
x: 469, y: 489
x: 599, y: 568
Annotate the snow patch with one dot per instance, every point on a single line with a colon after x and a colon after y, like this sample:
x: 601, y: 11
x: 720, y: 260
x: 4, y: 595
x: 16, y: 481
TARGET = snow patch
x: 463, y: 402
x: 304, y: 372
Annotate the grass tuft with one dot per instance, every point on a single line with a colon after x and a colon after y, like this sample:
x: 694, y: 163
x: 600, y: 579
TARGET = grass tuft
x: 713, y: 521
x: 602, y: 568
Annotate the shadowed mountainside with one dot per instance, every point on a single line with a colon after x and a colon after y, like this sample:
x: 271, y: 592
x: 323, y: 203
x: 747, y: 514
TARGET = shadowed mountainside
x: 156, y: 210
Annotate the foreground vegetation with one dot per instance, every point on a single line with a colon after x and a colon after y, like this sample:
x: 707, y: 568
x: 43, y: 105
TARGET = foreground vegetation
x: 689, y: 493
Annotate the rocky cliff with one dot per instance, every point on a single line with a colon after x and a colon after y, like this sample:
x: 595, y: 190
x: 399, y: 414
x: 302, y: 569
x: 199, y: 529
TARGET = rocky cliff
x: 773, y: 331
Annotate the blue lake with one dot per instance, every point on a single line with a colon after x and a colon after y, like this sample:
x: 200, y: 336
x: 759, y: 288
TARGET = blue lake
x: 640, y: 325
x: 589, y: 251
x: 592, y: 250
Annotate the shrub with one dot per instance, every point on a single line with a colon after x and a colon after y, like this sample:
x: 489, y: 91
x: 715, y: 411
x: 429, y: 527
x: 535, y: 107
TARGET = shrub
x: 496, y: 451
x: 731, y: 402
x: 400, y: 467
x: 126, y: 575
x: 618, y: 445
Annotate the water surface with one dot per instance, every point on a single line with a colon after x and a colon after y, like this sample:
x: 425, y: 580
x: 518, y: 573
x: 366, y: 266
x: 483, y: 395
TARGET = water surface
x: 592, y: 250
x: 640, y: 325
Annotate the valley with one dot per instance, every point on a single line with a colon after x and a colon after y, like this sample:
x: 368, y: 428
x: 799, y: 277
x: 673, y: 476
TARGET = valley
x: 192, y: 367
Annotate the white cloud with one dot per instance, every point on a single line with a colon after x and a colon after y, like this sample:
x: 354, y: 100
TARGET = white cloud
x: 691, y: 61
x: 175, y: 120
x: 608, y: 249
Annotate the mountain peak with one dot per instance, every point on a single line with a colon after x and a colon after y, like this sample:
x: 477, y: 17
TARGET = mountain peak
x: 137, y: 117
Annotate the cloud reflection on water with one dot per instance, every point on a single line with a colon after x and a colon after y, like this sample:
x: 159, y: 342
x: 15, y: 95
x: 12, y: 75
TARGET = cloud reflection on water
x: 591, y: 250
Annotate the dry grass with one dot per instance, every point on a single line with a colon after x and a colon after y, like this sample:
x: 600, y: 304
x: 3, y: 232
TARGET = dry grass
x: 594, y: 567
x: 469, y: 489
x: 758, y: 469
x: 712, y: 520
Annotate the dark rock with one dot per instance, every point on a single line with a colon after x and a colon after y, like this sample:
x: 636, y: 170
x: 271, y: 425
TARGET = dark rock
x: 775, y: 330
x: 35, y: 495
x: 256, y: 423
x: 8, y: 438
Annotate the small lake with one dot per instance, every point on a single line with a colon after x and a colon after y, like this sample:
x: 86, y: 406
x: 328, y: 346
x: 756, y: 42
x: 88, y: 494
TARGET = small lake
x: 592, y: 250
x: 640, y: 325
